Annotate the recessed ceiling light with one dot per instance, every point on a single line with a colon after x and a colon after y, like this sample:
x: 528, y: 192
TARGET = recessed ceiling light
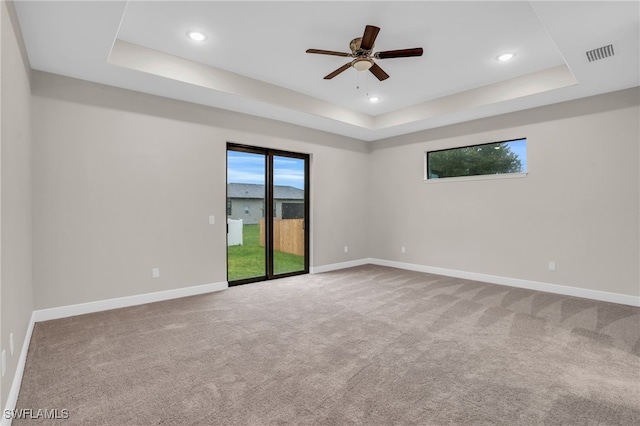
x: 505, y: 57
x: 196, y: 36
x: 374, y: 99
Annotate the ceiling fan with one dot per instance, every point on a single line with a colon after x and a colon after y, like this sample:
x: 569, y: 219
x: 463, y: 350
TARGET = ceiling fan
x: 361, y: 51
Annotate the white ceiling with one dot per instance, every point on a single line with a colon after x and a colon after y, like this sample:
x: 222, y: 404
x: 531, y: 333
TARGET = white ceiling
x: 254, y: 59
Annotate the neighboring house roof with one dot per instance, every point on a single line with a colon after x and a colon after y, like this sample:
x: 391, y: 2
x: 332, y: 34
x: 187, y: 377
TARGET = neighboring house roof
x: 252, y: 190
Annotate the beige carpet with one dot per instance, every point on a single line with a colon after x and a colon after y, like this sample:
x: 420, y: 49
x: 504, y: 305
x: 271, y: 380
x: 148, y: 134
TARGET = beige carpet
x: 363, y: 346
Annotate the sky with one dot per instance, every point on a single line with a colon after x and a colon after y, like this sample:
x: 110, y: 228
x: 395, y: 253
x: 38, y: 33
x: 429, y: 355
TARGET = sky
x: 519, y: 148
x: 243, y: 167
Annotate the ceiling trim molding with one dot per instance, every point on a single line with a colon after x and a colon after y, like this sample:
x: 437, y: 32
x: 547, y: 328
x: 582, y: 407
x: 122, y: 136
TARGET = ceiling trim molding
x: 526, y: 85
x: 610, y: 101
x: 139, y: 58
x: 151, y: 61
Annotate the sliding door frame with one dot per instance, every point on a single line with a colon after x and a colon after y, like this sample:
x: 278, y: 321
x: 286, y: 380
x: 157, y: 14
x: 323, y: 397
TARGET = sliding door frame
x: 269, y: 211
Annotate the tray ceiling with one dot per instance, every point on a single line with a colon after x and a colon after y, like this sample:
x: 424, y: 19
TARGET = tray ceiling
x: 253, y: 59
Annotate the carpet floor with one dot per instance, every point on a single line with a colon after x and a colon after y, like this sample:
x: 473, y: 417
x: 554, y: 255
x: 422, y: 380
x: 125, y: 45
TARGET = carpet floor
x: 369, y: 345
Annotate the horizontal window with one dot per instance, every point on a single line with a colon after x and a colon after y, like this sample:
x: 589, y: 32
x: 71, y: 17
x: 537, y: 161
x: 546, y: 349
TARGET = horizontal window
x: 495, y: 158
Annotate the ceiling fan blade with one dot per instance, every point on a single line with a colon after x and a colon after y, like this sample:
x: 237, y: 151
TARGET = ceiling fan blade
x: 328, y: 52
x: 378, y: 72
x: 369, y: 37
x: 402, y: 53
x: 338, y: 71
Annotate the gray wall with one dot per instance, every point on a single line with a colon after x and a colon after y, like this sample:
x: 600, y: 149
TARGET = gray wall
x: 15, y: 191
x: 255, y: 210
x: 120, y: 177
x: 125, y: 182
x: 578, y: 206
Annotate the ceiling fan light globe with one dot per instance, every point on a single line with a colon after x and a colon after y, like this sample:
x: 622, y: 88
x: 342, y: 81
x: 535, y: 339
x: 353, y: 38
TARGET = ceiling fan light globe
x: 362, y: 64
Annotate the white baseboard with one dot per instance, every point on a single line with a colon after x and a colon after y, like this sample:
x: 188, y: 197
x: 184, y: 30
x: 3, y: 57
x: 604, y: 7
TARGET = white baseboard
x: 516, y: 282
x: 336, y: 266
x: 123, y: 302
x: 12, y: 398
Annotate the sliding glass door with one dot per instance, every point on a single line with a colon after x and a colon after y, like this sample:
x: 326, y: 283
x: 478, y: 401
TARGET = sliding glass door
x: 246, y: 198
x: 267, y: 214
x: 289, y: 215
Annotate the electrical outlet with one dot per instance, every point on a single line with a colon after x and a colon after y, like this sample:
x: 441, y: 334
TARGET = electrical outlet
x: 155, y: 273
x: 403, y: 249
x: 346, y: 249
x: 11, y: 345
x: 552, y: 266
x: 212, y: 220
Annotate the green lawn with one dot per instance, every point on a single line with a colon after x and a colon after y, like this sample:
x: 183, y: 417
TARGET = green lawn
x: 248, y: 260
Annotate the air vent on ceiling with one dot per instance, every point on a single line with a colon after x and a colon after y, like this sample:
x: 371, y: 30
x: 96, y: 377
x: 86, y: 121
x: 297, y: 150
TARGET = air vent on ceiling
x: 600, y: 53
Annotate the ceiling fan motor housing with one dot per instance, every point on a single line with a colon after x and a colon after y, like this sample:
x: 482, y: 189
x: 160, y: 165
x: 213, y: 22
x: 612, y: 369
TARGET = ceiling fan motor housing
x: 355, y: 47
x: 362, y: 61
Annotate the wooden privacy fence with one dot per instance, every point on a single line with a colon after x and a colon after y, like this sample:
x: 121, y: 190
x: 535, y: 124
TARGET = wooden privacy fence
x: 288, y: 235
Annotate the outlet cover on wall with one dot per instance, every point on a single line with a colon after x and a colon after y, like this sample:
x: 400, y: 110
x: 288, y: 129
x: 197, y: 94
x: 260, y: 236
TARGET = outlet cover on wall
x: 552, y: 266
x: 346, y: 249
x: 11, y: 345
x: 403, y: 249
x: 212, y: 220
x: 155, y: 273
